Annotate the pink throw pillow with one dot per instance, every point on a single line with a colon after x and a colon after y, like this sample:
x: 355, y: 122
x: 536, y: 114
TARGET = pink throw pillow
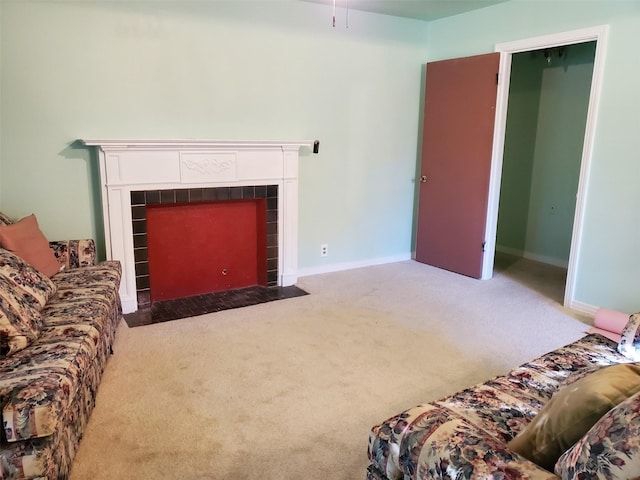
x: 25, y: 239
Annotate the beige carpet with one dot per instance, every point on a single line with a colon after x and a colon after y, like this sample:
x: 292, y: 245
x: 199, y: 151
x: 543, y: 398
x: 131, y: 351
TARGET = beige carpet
x: 290, y: 389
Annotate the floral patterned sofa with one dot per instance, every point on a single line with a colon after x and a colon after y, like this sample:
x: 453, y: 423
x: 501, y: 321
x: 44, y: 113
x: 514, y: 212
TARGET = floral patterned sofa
x: 49, y: 373
x: 473, y: 434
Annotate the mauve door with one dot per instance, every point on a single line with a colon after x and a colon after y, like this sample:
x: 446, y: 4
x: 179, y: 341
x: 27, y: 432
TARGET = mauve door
x: 459, y: 114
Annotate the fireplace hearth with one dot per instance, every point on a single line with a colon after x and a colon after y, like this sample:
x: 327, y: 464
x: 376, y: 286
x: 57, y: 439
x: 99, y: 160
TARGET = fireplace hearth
x: 167, y: 310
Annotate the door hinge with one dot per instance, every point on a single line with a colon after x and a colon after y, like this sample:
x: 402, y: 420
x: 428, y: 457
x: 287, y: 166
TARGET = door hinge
x: 498, y: 78
x: 484, y: 244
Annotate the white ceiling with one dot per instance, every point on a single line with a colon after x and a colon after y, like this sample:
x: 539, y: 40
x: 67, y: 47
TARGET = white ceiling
x: 419, y: 9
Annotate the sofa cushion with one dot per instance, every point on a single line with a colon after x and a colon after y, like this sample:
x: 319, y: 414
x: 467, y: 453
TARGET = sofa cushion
x: 39, y: 383
x: 23, y: 293
x: 495, y: 407
x: 83, y: 293
x: 25, y: 239
x: 42, y: 380
x: 629, y: 344
x: 573, y: 410
x: 610, y: 450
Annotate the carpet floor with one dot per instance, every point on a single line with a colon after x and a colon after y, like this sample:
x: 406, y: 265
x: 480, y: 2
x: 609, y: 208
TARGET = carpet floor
x: 290, y: 389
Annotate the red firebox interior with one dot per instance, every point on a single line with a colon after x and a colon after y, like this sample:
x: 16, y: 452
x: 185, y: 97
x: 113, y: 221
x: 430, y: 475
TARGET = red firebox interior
x: 206, y: 247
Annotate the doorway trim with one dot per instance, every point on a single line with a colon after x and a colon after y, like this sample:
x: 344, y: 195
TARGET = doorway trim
x: 506, y: 50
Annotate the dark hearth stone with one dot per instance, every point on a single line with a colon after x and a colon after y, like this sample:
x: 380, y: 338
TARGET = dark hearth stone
x: 166, y: 310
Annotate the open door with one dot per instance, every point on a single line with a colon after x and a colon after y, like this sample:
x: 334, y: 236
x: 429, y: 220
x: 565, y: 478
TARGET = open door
x: 457, y: 142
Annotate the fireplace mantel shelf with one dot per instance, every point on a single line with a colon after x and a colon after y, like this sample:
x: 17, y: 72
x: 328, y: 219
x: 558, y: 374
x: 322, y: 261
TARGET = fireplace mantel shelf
x: 128, y: 165
x: 183, y: 144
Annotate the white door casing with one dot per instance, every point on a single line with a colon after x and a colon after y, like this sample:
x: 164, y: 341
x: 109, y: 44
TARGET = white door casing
x: 598, y: 34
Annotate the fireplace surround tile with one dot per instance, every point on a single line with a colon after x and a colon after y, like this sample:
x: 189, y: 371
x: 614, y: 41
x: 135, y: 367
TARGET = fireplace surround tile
x: 152, y: 197
x: 137, y: 198
x: 195, y: 194
x: 139, y: 227
x: 182, y: 196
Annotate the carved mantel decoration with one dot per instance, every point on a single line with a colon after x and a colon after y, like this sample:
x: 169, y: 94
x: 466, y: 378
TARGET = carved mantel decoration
x: 132, y: 165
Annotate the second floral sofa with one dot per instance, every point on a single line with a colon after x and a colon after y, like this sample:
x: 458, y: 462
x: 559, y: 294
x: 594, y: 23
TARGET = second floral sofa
x: 527, y: 424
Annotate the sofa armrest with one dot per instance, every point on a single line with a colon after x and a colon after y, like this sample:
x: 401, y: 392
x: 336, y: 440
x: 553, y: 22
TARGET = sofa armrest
x: 456, y: 448
x: 75, y: 253
x: 434, y: 442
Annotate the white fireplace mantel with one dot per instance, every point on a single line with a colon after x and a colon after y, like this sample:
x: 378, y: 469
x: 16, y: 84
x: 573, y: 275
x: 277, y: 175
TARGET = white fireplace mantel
x: 131, y: 165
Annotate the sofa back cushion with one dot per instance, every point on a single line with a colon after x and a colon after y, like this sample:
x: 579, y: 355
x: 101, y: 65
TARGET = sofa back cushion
x: 610, y: 449
x: 23, y: 293
x: 573, y: 410
x: 4, y: 220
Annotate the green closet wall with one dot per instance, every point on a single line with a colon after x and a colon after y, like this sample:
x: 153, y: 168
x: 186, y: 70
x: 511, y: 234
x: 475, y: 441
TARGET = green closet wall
x: 546, y: 117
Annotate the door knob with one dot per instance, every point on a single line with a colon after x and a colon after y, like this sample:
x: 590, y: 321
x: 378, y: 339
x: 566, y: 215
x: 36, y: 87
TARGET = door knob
x: 423, y: 179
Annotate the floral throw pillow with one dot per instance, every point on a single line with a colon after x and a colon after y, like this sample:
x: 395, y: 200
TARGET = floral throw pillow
x: 629, y: 345
x: 23, y: 293
x: 610, y: 450
x: 26, y: 278
x: 573, y: 410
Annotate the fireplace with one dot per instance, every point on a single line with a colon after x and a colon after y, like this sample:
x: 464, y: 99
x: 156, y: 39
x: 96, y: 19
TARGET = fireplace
x: 193, y: 171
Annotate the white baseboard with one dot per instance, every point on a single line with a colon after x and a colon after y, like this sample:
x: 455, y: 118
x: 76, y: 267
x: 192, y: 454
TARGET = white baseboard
x: 576, y: 306
x: 338, y: 267
x: 557, y: 262
x: 129, y: 305
x: 516, y: 252
x: 584, y: 308
x: 580, y: 307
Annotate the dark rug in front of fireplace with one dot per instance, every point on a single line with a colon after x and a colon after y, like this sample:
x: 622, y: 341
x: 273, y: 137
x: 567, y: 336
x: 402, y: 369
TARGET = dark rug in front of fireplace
x: 209, y: 303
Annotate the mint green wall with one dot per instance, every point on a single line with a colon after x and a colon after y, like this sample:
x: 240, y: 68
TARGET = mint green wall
x: 608, y: 262
x: 0, y: 105
x: 225, y: 70
x: 546, y: 120
x: 277, y: 70
x: 564, y: 102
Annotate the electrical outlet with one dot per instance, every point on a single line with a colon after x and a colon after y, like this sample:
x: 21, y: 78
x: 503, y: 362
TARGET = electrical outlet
x: 324, y: 250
